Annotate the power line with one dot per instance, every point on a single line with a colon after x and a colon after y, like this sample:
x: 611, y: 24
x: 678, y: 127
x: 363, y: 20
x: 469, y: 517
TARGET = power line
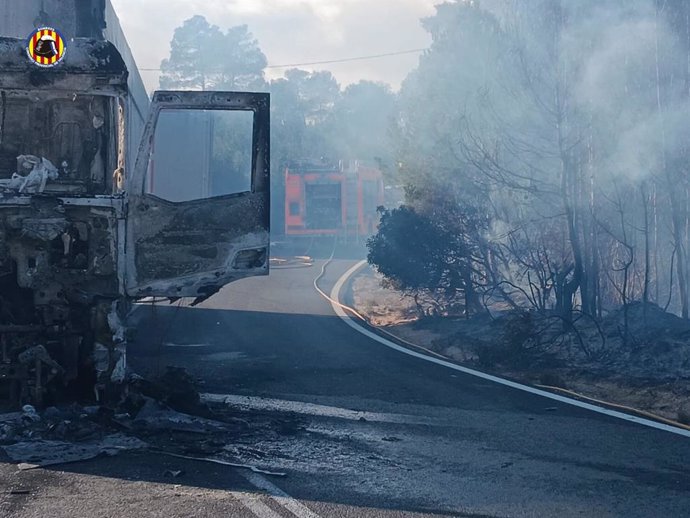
x: 346, y: 60
x: 329, y: 62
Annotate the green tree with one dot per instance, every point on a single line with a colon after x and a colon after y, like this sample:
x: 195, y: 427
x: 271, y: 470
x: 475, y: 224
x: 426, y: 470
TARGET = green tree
x: 436, y: 261
x: 361, y: 121
x: 318, y: 93
x: 288, y: 121
x: 203, y: 57
x: 303, y: 105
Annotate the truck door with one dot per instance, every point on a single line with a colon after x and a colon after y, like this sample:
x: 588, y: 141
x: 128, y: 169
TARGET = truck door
x: 198, y: 200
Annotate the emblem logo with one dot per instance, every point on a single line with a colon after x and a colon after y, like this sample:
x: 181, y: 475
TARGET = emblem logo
x: 46, y: 47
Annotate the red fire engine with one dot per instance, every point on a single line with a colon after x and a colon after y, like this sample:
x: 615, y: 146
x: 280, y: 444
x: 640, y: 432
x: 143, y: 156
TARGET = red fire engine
x: 324, y: 199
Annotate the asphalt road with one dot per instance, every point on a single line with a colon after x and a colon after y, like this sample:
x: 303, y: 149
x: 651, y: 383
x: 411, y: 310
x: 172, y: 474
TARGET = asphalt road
x: 359, y: 429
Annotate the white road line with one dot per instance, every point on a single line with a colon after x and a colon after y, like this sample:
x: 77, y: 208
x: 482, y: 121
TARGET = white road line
x: 281, y: 497
x: 171, y: 344
x: 335, y: 295
x: 255, y: 505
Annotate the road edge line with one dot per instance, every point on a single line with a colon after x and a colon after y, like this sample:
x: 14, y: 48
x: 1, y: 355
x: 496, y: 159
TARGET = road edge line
x: 254, y: 504
x: 280, y: 497
x: 347, y: 319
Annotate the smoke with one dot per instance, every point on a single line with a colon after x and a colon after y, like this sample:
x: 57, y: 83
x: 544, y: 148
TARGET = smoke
x: 291, y: 31
x: 621, y: 74
x: 622, y: 53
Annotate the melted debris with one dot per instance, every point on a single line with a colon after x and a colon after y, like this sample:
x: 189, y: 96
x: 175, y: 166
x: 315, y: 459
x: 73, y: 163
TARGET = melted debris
x: 74, y: 433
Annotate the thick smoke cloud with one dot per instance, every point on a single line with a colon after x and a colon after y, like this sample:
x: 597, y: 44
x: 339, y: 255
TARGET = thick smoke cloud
x: 624, y: 51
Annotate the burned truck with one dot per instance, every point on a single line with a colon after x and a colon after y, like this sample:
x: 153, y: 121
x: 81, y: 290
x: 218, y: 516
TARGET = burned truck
x: 106, y: 198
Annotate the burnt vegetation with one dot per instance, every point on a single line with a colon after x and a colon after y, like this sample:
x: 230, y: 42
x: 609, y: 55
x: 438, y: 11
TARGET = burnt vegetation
x: 544, y: 151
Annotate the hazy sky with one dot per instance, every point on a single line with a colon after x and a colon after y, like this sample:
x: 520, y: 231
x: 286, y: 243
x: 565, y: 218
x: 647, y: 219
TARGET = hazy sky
x: 291, y: 31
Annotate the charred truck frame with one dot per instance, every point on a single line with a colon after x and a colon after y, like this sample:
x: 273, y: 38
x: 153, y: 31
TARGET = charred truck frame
x: 84, y: 228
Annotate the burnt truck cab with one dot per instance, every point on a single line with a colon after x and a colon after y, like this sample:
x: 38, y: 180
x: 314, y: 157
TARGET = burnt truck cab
x: 92, y: 216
